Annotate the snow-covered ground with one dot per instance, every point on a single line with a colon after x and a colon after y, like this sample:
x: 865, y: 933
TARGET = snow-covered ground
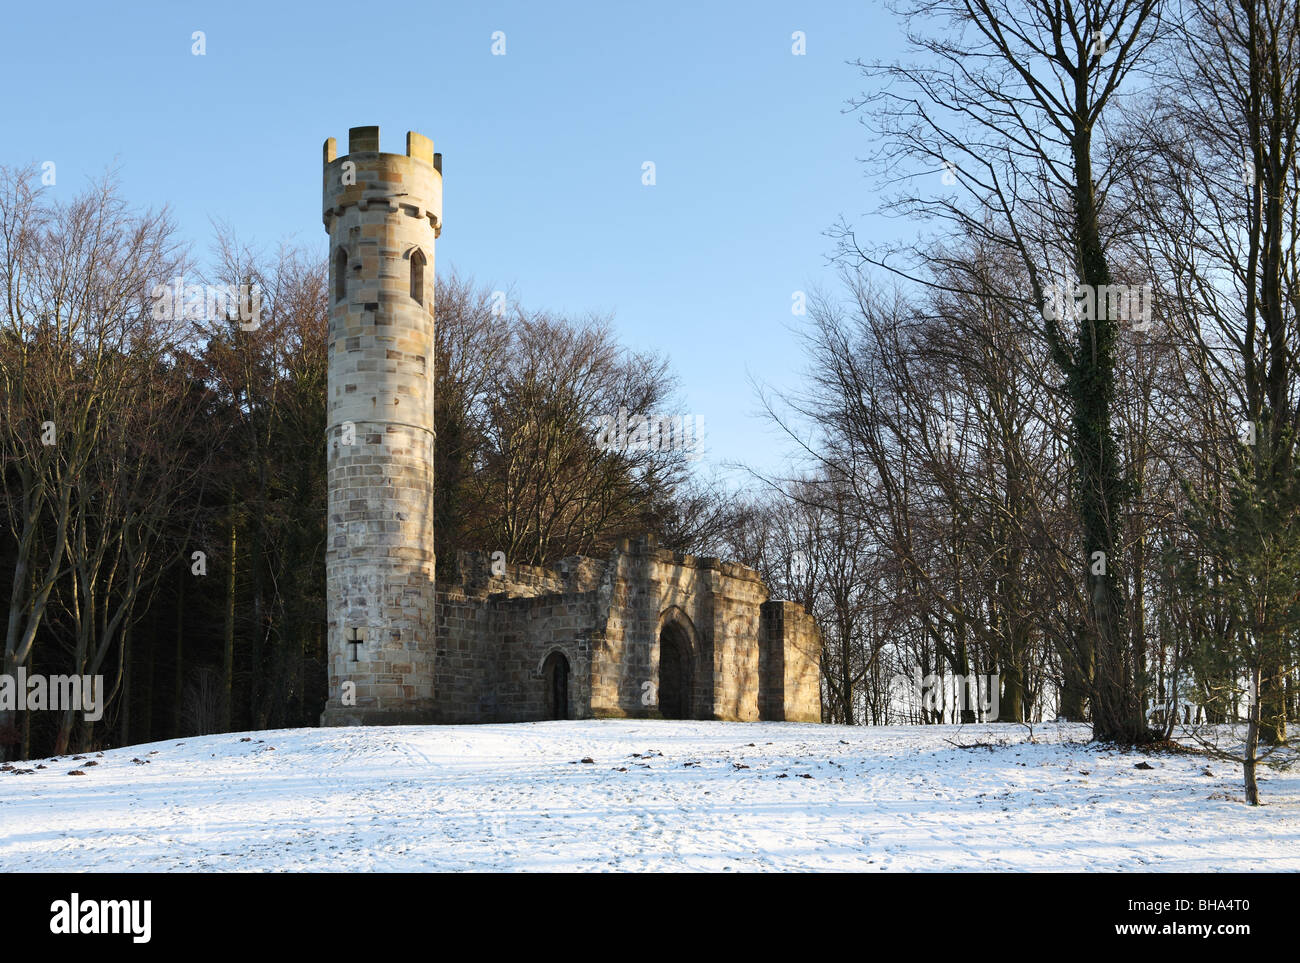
x: 651, y: 796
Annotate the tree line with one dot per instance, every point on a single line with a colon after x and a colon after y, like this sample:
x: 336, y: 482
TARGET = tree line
x: 1052, y: 437
x: 164, y: 476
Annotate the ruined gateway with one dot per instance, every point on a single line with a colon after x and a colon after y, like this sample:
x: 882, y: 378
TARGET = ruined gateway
x: 644, y: 633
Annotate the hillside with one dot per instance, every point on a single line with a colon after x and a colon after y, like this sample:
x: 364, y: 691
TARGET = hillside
x: 654, y: 796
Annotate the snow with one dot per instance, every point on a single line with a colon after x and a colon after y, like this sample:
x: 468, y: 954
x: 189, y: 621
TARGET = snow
x: 657, y: 796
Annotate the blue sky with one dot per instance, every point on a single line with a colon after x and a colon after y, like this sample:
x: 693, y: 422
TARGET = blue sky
x: 543, y: 149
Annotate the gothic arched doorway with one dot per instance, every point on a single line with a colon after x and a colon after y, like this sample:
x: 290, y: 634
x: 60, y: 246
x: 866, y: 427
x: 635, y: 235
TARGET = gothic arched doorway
x: 675, y: 677
x: 555, y: 672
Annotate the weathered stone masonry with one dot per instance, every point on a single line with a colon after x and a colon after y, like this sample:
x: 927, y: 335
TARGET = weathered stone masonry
x: 644, y: 633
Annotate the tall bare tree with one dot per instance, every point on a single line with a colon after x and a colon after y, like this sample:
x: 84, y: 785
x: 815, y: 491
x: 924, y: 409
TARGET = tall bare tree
x: 1009, y: 99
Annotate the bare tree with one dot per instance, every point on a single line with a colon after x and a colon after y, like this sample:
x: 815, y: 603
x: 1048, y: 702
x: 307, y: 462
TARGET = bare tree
x: 1010, y: 100
x: 78, y: 363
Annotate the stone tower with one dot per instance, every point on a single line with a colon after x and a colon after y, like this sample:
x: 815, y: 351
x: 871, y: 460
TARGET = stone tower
x: 383, y: 213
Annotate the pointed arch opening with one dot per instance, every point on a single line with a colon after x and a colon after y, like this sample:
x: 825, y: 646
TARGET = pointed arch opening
x: 418, y: 262
x: 676, y: 675
x: 340, y: 274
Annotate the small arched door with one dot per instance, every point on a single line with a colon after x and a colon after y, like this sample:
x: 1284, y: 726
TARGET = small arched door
x: 555, y: 672
x: 675, y: 677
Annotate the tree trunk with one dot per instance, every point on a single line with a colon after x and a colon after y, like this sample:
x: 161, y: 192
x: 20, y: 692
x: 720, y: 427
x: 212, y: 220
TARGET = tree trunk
x: 1116, y: 715
x: 178, y: 682
x: 146, y: 713
x: 1011, y: 708
x: 228, y: 664
x: 1252, y: 743
x: 124, y: 727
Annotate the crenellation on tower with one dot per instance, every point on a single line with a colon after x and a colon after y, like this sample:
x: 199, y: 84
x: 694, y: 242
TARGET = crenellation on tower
x: 363, y: 139
x: 365, y: 176
x: 419, y: 147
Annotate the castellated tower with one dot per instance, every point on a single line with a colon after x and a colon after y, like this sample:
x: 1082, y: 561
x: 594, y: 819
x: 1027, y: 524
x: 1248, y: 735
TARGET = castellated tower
x: 501, y: 641
x: 383, y: 213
